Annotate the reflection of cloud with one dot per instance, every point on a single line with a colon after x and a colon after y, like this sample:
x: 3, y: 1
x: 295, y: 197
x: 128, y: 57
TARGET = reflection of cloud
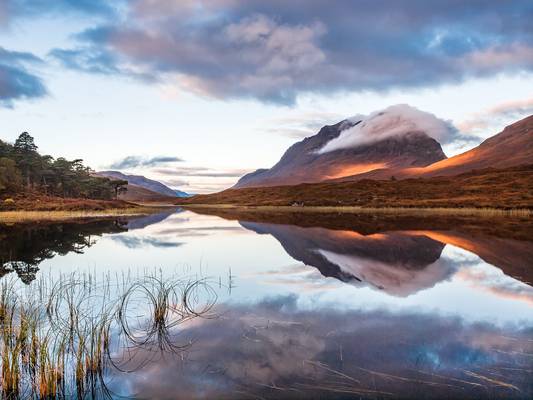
x: 299, y: 275
x: 134, y: 242
x: 274, y: 349
x: 200, y: 230
x: 493, y: 281
x: 392, y: 278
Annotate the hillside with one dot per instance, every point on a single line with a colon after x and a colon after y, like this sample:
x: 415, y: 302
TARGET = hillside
x: 498, y: 188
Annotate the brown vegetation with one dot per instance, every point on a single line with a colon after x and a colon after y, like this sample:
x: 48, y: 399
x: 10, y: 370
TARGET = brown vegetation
x: 509, y: 188
x: 37, y: 202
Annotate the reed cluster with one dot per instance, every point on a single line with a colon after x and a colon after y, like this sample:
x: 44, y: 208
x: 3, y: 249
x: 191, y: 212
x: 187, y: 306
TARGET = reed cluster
x: 59, y: 338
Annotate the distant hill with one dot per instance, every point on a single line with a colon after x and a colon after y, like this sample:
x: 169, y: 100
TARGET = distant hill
x: 180, y: 193
x: 398, y: 137
x: 141, y: 188
x: 139, y: 180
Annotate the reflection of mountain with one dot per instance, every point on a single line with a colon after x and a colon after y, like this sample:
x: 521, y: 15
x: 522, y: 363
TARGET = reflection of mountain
x: 143, y: 222
x: 400, y: 262
x: 397, y: 263
x: 514, y: 257
x: 505, y: 242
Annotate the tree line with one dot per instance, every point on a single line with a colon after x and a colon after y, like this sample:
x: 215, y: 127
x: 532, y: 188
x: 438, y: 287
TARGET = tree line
x: 22, y: 168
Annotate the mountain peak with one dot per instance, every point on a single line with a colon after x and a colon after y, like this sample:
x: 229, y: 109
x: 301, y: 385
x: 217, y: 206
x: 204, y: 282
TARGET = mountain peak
x: 398, y: 137
x: 394, y: 121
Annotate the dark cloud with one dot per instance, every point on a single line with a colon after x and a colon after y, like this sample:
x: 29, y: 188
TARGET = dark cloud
x: 16, y: 81
x: 138, y: 161
x: 10, y: 9
x: 275, y: 50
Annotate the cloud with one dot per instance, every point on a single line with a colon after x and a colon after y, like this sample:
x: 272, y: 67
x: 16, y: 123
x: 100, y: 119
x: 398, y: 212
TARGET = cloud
x: 397, y: 120
x: 276, y: 50
x: 16, y: 81
x: 497, y: 116
x: 138, y: 161
x: 201, y: 172
x: 11, y: 9
x: 198, y: 179
x: 301, y: 125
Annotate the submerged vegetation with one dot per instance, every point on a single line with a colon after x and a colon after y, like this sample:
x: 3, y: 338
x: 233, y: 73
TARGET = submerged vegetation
x: 62, y: 338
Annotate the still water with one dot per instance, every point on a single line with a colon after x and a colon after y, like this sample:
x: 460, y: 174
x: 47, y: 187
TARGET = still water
x: 309, y: 306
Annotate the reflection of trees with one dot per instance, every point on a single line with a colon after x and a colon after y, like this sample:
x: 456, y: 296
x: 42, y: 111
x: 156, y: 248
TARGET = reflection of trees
x: 24, y: 247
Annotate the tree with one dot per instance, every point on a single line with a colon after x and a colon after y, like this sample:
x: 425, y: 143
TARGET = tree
x: 10, y: 178
x: 21, y: 162
x: 119, y: 186
x: 25, y: 144
x: 27, y: 158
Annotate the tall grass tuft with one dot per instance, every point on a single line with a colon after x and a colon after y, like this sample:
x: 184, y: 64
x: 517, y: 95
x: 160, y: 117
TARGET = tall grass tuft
x: 57, y: 338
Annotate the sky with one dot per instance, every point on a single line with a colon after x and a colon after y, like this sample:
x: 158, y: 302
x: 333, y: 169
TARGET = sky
x: 197, y: 93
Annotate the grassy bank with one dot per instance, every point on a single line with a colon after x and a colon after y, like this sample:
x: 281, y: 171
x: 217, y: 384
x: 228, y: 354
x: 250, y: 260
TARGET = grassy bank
x: 28, y: 216
x: 480, y: 212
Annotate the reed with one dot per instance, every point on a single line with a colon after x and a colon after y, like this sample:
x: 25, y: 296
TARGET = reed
x: 62, y: 347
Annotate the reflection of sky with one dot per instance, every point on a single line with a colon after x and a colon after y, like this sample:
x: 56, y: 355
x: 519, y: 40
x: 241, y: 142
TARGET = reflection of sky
x: 260, y: 268
x: 272, y: 346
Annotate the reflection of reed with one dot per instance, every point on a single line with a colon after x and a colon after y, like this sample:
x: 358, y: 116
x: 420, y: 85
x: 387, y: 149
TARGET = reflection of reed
x: 58, y: 340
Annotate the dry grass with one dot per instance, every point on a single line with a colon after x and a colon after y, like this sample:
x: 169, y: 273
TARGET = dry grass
x: 418, y: 211
x: 25, y: 216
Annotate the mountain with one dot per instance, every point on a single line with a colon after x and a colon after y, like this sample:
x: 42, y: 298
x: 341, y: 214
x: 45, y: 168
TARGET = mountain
x: 510, y: 148
x: 180, y: 193
x: 141, y: 181
x: 395, y: 138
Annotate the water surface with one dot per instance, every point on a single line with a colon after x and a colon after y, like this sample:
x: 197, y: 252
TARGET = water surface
x: 313, y: 306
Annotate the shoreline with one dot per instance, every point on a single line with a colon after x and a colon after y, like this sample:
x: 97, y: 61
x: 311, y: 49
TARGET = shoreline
x: 470, y: 211
x: 19, y: 216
